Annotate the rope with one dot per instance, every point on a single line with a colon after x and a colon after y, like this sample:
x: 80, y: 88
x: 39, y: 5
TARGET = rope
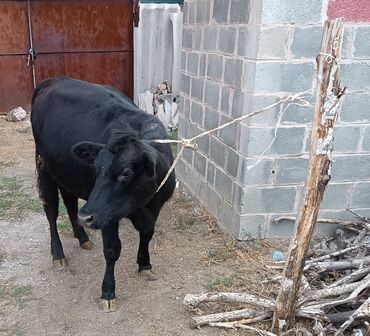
x: 297, y: 99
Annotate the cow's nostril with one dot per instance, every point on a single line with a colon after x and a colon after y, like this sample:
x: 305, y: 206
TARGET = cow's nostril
x: 86, y: 220
x: 89, y: 219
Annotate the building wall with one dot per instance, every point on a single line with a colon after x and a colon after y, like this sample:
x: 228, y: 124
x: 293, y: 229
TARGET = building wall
x: 241, y: 55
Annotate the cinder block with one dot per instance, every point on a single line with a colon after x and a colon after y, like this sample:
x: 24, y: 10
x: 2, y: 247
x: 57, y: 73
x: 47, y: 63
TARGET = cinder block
x: 221, y: 11
x: 356, y: 76
x: 210, y: 119
x: 361, y: 196
x: 192, y: 12
x: 281, y: 229
x: 214, y: 68
x: 183, y: 61
x: 366, y: 140
x: 212, y: 94
x: 240, y: 11
x: 200, y: 163
x: 272, y: 43
x: 186, y: 13
x: 346, y: 138
x: 210, y: 38
x: 198, y: 37
x: 260, y: 173
x: 196, y: 114
x: 225, y: 98
x: 218, y: 152
x: 238, y: 104
x: 361, y: 42
x: 186, y: 108
x: 229, y: 134
x: 258, y: 200
x: 203, y: 11
x: 188, y: 156
x: 197, y: 88
x: 252, y: 226
x: 266, y: 118
x: 203, y: 65
x: 336, y: 196
x: 297, y: 114
x: 283, y: 11
x: 229, y: 219
x: 233, y: 72
x: 210, y: 199
x: 275, y: 77
x: 291, y: 171
x: 351, y: 168
x: 226, y: 42
x: 193, y: 63
x: 288, y: 141
x: 187, y: 37
x: 223, y: 185
x: 355, y: 108
x: 203, y: 145
x: 211, y: 173
x: 185, y: 84
x: 307, y: 42
x: 232, y: 164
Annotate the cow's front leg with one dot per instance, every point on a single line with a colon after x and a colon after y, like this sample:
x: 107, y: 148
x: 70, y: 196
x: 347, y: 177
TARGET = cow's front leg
x: 144, y: 222
x: 112, y: 251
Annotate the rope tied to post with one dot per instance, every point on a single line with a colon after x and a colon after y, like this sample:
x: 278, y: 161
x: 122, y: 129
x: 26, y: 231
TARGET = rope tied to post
x: 297, y: 99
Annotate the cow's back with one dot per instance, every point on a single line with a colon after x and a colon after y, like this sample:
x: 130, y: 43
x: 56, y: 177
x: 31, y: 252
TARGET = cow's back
x: 67, y: 111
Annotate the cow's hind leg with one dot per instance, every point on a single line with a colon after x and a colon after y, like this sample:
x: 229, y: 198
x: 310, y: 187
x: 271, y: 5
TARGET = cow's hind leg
x: 71, y: 203
x: 48, y: 191
x: 112, y: 251
x: 144, y: 222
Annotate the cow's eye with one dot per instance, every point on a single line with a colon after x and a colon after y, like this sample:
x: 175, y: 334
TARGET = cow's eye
x: 125, y: 176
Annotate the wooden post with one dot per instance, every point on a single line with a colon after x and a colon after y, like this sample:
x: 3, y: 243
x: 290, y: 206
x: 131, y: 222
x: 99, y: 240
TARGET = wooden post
x: 327, y: 102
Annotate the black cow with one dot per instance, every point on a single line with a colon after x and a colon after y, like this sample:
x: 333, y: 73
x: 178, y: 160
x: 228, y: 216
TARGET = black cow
x: 93, y: 143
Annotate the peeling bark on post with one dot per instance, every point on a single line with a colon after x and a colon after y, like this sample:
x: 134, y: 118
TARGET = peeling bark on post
x: 327, y: 102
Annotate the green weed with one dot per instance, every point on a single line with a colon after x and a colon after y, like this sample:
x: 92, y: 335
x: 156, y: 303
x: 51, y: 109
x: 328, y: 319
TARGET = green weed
x: 15, y: 203
x: 221, y: 284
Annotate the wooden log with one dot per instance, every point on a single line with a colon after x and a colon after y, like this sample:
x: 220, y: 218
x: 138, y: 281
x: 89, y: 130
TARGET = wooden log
x: 192, y: 301
x: 198, y: 321
x: 327, y: 102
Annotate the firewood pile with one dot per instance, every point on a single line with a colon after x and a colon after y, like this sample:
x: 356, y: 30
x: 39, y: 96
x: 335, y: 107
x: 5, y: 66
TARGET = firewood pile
x: 334, y: 292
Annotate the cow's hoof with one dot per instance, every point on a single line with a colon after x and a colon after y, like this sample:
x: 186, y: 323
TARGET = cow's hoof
x: 148, y: 275
x: 87, y: 245
x: 108, y: 306
x: 59, y: 263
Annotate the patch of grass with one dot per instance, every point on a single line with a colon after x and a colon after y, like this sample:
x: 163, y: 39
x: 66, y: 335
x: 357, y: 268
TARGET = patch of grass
x: 16, y: 293
x: 185, y: 220
x: 6, y: 164
x: 2, y: 256
x: 15, y: 203
x: 221, y: 284
x: 220, y: 254
x: 173, y: 135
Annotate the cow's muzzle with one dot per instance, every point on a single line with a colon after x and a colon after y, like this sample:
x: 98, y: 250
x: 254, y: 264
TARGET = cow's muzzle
x: 86, y: 220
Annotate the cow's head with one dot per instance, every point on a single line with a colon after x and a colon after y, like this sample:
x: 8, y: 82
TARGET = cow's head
x: 125, y: 179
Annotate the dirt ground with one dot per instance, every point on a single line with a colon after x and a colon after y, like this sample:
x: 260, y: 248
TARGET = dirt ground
x: 188, y: 252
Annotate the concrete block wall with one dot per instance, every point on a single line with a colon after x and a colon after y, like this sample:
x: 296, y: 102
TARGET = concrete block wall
x: 239, y: 56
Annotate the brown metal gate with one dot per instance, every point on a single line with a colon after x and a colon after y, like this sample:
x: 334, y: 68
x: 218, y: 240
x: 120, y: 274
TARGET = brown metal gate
x: 86, y: 39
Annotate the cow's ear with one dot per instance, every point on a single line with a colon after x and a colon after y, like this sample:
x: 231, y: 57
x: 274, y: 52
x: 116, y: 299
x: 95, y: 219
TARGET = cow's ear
x: 149, y: 163
x: 87, y: 151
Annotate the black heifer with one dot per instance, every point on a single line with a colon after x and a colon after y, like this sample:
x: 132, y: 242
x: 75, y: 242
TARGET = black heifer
x: 93, y: 143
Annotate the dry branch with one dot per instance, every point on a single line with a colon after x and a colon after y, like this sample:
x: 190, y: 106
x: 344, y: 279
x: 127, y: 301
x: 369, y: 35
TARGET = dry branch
x: 198, y: 321
x: 363, y: 311
x: 192, y: 301
x: 327, y: 102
